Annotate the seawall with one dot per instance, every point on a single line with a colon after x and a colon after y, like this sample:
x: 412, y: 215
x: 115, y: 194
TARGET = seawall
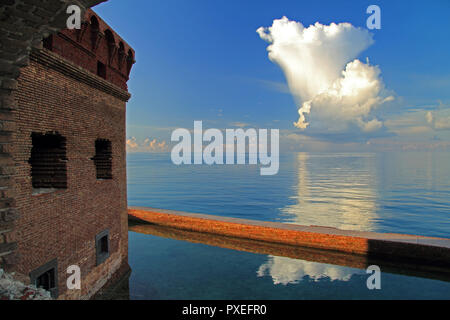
x: 434, y: 252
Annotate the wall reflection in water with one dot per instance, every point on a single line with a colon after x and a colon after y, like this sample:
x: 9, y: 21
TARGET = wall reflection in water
x: 178, y: 264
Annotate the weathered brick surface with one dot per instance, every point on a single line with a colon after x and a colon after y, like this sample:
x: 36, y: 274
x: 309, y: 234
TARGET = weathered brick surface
x: 23, y: 24
x: 63, y: 224
x: 60, y: 92
x: 78, y: 46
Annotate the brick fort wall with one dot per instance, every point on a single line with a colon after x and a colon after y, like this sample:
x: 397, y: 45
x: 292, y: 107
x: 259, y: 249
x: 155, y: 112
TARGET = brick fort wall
x: 23, y: 24
x: 60, y: 91
x: 63, y: 224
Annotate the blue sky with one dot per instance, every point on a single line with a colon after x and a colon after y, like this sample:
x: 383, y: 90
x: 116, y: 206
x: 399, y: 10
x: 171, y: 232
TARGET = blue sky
x: 203, y: 60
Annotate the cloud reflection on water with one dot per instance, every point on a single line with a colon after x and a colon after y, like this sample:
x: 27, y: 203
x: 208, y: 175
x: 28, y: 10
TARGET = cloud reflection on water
x: 337, y: 191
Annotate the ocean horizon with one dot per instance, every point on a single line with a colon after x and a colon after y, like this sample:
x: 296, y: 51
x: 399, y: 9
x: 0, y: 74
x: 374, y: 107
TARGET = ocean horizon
x: 405, y: 193
x: 402, y: 192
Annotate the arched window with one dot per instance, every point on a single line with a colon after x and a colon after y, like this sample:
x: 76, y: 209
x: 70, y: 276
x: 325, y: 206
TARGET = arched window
x: 95, y: 32
x: 112, y: 49
x: 121, y: 54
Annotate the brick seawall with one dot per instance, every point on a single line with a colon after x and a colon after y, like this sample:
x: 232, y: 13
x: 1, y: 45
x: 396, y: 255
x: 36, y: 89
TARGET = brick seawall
x: 399, y: 247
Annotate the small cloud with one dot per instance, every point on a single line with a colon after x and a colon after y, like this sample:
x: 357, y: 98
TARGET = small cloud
x: 439, y: 120
x: 132, y: 144
x: 240, y: 124
x: 149, y: 145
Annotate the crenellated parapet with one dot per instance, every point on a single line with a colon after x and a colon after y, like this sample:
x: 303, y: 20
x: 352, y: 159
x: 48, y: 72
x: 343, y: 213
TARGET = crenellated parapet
x: 96, y: 48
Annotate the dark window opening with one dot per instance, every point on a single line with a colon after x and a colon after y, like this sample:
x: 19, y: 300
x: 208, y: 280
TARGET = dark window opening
x: 112, y: 49
x: 46, y: 277
x: 48, y: 43
x: 103, y: 159
x: 46, y: 280
x: 102, y: 247
x: 121, y: 54
x: 48, y: 161
x: 95, y: 32
x: 101, y: 70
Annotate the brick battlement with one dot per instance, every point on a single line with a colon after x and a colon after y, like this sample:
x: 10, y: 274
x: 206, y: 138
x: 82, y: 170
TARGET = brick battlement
x: 96, y: 48
x: 64, y: 66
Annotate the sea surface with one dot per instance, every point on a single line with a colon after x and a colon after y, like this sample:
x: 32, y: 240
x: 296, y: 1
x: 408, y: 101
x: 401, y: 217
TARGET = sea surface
x: 383, y: 192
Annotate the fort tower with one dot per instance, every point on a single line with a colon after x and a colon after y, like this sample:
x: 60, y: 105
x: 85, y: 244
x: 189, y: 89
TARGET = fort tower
x: 65, y: 148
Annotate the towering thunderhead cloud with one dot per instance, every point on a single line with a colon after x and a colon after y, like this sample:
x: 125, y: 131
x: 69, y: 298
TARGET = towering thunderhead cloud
x: 333, y: 91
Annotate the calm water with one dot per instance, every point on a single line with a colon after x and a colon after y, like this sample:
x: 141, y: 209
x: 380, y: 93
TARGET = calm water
x: 386, y: 192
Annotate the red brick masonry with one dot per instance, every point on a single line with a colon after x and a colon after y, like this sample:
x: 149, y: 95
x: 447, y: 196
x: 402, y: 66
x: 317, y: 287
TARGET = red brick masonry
x: 393, y: 246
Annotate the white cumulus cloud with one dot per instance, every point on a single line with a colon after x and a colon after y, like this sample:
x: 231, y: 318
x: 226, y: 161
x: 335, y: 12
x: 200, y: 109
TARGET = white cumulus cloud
x: 333, y: 89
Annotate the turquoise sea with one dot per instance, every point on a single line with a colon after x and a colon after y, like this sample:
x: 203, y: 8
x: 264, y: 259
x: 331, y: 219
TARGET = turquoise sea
x: 384, y: 192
